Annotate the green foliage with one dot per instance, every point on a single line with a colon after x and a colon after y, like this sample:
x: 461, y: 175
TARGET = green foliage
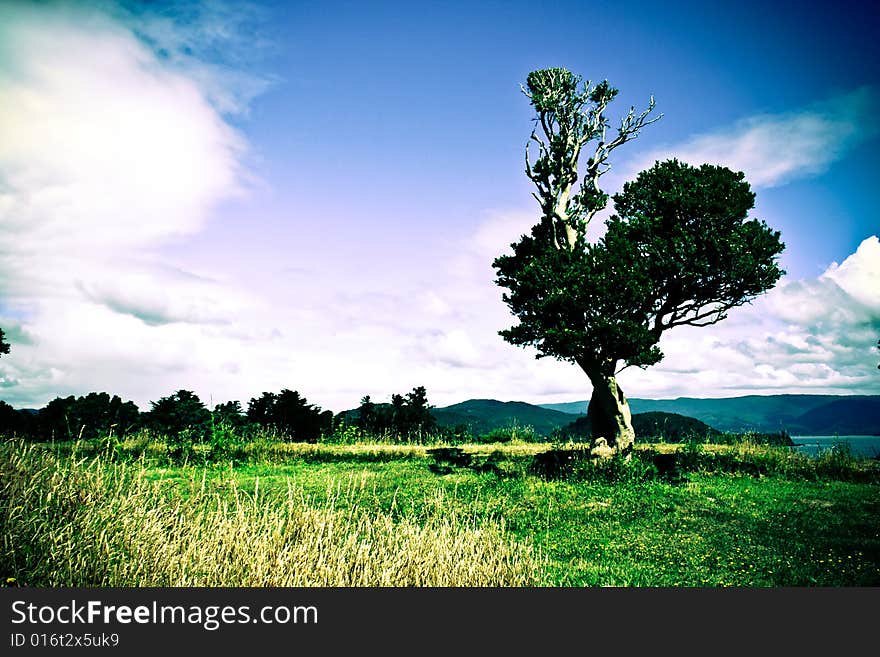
x: 225, y: 440
x: 290, y: 415
x: 95, y: 414
x: 511, y: 433
x: 680, y: 250
x: 16, y: 422
x: 836, y: 463
x: 407, y: 418
x: 4, y: 346
x: 229, y: 414
x: 671, y: 427
x: 182, y: 415
x: 779, y: 438
x: 458, y: 433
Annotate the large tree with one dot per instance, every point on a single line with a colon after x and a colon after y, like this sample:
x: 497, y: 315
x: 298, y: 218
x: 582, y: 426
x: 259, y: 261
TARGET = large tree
x: 290, y: 414
x: 680, y: 249
x: 4, y: 346
x: 180, y: 412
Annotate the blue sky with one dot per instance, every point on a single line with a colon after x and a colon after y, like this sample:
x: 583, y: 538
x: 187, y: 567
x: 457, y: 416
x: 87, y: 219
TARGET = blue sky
x: 231, y: 197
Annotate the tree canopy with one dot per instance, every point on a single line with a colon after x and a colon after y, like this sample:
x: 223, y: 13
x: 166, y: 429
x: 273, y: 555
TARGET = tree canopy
x: 290, y: 414
x: 678, y: 251
x: 406, y: 417
x: 179, y: 412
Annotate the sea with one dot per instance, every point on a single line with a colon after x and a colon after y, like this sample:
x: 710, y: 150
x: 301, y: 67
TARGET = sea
x: 861, y: 446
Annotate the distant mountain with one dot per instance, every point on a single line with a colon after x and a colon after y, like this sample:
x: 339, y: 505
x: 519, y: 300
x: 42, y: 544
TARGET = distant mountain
x: 798, y: 414
x: 483, y: 415
x: 573, y: 408
x: 671, y: 427
x: 668, y: 427
x: 859, y: 415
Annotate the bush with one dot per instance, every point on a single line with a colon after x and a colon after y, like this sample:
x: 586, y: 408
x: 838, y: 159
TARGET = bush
x: 512, y: 433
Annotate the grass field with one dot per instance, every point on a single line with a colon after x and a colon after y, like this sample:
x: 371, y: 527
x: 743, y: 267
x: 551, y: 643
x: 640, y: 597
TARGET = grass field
x: 410, y: 515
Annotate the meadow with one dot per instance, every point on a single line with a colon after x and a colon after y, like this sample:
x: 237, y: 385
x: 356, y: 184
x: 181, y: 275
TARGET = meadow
x: 269, y: 513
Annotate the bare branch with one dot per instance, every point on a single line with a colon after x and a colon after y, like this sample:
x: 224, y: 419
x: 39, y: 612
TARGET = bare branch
x: 678, y: 318
x: 568, y: 120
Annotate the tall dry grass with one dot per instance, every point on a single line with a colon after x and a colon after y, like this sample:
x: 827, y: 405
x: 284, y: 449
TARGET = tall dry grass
x: 67, y: 522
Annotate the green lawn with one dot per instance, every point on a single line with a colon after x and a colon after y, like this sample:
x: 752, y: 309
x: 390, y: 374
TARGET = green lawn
x: 704, y: 527
x: 710, y: 529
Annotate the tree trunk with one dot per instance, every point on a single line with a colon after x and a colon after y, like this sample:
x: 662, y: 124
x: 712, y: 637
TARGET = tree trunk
x: 610, y: 416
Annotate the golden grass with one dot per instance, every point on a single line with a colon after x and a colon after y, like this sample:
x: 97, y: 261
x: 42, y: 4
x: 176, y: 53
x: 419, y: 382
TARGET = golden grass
x: 94, y: 523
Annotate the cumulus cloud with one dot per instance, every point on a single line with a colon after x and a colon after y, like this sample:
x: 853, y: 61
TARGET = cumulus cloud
x: 158, y: 296
x: 845, y: 295
x: 815, y: 335
x: 84, y: 135
x: 772, y: 149
x: 108, y: 150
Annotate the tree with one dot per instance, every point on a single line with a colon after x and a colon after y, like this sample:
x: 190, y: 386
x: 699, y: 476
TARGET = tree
x: 261, y: 409
x: 679, y: 250
x: 90, y: 416
x: 19, y: 423
x: 54, y: 419
x: 397, y: 420
x: 290, y: 415
x: 299, y: 420
x: 405, y: 417
x: 4, y: 346
x: 182, y: 411
x: 229, y: 414
x: 367, y: 419
x: 420, y: 419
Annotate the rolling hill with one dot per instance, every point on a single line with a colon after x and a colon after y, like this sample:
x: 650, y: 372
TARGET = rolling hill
x: 668, y: 427
x: 860, y: 415
x: 483, y: 415
x: 798, y: 414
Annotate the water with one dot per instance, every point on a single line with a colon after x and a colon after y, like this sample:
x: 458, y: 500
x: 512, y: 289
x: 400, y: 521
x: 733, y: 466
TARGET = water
x: 863, y: 446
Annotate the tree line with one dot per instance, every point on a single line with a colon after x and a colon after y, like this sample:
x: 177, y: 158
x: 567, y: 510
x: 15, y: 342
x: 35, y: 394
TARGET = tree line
x: 286, y: 415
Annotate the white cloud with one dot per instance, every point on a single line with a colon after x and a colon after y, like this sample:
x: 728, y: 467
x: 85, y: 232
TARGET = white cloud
x: 89, y: 121
x: 106, y: 152
x: 845, y: 295
x: 859, y: 274
x: 773, y: 149
x: 810, y: 336
x: 156, y: 296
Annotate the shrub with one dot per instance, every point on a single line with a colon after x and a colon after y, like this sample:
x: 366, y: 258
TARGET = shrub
x: 511, y: 433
